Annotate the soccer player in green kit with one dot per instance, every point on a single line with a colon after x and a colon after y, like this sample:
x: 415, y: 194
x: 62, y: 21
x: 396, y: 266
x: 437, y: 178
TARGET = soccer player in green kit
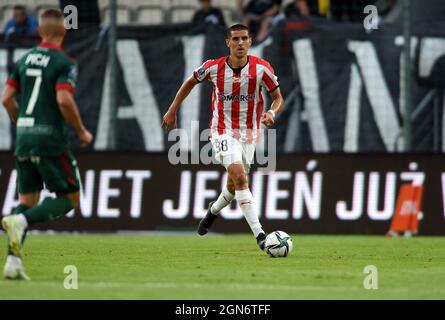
x: 39, y: 100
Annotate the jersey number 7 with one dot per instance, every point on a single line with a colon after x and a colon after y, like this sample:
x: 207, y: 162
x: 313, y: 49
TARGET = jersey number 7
x: 37, y: 73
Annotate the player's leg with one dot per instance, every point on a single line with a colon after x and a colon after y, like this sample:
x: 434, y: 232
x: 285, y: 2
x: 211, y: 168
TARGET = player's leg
x: 244, y: 197
x: 26, y: 201
x: 61, y: 176
x: 225, y: 197
x: 50, y: 209
x: 16, y: 230
x: 29, y: 184
x: 16, y: 227
x: 248, y: 153
x: 215, y: 207
x: 222, y: 149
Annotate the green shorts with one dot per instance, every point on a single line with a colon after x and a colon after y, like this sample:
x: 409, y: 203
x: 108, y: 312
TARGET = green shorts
x: 59, y: 173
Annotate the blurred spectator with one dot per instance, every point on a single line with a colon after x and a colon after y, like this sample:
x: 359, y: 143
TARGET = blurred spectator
x: 209, y: 14
x: 321, y: 7
x: 385, y: 6
x: 297, y: 9
x: 305, y: 8
x: 259, y: 15
x: 20, y: 23
x: 349, y: 10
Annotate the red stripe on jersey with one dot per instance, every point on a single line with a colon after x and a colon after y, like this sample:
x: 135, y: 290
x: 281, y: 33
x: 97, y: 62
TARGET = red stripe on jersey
x: 220, y: 85
x: 270, y: 84
x: 64, y: 86
x: 251, y: 103
x: 66, y: 166
x: 13, y: 83
x: 259, y: 111
x: 207, y: 65
x: 236, y: 90
x: 212, y: 107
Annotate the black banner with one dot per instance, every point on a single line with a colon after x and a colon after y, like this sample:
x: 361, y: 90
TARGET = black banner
x: 326, y: 194
x: 342, y: 83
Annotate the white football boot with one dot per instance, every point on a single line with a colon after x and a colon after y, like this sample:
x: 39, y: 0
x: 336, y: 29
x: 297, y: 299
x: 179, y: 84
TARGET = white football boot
x: 15, y: 226
x: 14, y: 269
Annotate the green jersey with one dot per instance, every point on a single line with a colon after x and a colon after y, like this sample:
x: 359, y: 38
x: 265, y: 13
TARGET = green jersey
x: 41, y: 128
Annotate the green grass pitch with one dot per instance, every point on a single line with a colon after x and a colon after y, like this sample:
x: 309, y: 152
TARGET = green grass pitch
x: 228, y: 267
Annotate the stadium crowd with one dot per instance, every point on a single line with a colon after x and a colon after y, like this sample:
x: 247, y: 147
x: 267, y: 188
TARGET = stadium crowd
x: 19, y: 16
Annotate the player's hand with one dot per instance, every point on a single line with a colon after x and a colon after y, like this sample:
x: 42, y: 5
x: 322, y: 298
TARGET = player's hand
x: 267, y: 119
x: 85, y: 137
x: 169, y: 120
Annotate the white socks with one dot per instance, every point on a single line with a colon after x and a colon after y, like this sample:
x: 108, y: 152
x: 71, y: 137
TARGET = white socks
x: 244, y: 198
x: 223, y: 200
x: 14, y: 261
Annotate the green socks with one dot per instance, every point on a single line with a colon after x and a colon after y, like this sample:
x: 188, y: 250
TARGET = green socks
x: 49, y: 209
x: 20, y: 209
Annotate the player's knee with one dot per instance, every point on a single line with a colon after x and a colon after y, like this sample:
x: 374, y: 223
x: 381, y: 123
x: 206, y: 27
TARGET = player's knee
x: 74, y: 198
x: 30, y: 200
x: 30, y: 203
x: 239, y: 180
x: 230, y: 186
x: 75, y: 202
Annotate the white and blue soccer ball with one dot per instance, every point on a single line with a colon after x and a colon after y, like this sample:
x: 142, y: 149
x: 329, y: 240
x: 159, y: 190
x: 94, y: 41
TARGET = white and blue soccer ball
x: 278, y: 244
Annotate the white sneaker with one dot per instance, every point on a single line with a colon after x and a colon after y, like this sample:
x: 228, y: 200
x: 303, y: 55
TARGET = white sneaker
x: 15, y: 226
x: 13, y: 269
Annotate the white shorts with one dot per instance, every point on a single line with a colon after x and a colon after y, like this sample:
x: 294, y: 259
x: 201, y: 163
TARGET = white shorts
x: 228, y: 150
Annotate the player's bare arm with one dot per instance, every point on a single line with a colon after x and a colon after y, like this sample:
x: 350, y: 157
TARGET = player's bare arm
x: 169, y: 119
x: 268, y: 118
x: 10, y: 102
x: 71, y: 115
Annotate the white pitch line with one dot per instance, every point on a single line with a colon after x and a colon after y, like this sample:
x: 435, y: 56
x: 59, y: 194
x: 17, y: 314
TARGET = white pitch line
x: 226, y: 287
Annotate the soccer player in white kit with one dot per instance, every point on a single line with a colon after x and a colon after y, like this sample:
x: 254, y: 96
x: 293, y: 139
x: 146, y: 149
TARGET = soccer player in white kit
x: 237, y: 112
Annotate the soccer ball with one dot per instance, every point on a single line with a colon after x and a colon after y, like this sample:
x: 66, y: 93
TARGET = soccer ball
x: 278, y: 244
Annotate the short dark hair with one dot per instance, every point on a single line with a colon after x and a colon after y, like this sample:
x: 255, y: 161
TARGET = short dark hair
x: 19, y: 7
x: 52, y: 13
x: 237, y: 27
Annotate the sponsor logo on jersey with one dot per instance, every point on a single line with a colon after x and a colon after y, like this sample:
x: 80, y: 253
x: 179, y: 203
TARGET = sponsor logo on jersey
x: 25, y: 122
x: 246, y: 77
x: 240, y: 98
x: 201, y: 71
